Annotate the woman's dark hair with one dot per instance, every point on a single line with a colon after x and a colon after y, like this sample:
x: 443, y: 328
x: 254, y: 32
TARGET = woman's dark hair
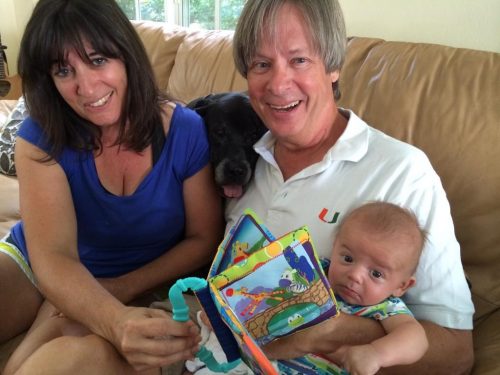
x: 57, y: 26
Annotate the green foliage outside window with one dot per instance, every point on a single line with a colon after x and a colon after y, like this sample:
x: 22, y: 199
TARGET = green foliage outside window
x: 198, y: 12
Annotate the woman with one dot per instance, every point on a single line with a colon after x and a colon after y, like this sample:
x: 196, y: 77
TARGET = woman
x: 117, y: 198
x: 318, y: 161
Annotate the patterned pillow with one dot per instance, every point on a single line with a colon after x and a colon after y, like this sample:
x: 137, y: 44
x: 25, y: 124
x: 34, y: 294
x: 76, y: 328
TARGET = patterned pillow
x: 8, y: 132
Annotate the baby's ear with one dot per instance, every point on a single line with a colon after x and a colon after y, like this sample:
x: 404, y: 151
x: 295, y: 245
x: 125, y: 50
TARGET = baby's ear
x: 405, y: 285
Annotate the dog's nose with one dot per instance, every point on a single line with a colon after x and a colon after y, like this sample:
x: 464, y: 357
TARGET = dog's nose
x: 237, y: 171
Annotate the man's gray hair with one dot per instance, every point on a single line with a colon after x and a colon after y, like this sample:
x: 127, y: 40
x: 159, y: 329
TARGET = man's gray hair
x: 324, y: 19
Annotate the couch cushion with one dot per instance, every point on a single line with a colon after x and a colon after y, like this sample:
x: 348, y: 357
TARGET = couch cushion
x: 161, y: 42
x: 9, y: 203
x: 487, y: 345
x: 204, y: 65
x: 389, y: 84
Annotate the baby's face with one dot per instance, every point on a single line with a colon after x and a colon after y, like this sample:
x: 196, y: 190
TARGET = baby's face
x: 365, y: 267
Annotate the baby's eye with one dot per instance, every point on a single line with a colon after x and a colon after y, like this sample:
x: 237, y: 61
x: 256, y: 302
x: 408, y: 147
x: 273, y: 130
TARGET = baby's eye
x: 377, y: 274
x: 347, y: 258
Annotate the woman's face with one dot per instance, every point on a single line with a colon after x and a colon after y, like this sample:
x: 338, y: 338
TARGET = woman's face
x: 94, y: 89
x: 288, y: 85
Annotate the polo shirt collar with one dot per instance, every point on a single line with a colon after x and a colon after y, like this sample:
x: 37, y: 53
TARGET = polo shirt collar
x: 351, y: 146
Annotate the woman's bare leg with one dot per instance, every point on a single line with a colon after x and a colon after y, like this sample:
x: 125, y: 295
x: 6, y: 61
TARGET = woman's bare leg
x: 20, y: 299
x: 90, y: 354
x: 47, y: 326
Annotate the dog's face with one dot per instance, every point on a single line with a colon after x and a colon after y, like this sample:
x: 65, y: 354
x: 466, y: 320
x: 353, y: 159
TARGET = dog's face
x: 233, y: 127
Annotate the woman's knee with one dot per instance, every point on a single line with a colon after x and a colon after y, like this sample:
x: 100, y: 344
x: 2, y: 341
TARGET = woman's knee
x: 89, y: 354
x: 82, y: 350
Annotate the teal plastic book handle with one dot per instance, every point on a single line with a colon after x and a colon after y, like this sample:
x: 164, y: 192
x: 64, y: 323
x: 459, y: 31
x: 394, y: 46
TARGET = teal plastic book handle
x: 181, y: 314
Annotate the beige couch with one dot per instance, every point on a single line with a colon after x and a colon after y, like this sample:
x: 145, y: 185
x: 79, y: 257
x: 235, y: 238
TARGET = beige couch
x: 445, y: 101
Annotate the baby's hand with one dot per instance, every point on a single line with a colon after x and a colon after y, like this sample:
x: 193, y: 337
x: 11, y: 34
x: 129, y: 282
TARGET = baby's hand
x: 359, y: 359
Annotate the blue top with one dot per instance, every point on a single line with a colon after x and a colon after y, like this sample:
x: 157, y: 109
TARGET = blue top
x: 117, y: 234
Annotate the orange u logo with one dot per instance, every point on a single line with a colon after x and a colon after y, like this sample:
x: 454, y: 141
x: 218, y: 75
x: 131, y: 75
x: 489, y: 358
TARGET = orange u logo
x: 324, y: 212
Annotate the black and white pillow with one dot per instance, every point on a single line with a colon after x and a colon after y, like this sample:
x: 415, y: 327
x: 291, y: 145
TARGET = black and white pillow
x: 8, y: 133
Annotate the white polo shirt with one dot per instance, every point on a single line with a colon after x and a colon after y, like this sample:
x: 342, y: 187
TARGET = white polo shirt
x: 366, y: 165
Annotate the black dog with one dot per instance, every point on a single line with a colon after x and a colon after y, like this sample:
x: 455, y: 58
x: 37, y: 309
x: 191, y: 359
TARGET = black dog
x: 233, y: 127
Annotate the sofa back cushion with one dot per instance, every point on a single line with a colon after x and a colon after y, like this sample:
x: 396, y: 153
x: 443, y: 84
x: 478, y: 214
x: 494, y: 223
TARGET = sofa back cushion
x: 445, y: 101
x: 161, y: 42
x: 204, y: 65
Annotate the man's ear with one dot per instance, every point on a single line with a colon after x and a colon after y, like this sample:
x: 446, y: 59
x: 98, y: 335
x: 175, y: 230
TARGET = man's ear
x: 334, y: 76
x: 405, y: 285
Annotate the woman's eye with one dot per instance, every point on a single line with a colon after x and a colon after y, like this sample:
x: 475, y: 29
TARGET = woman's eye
x: 99, y: 61
x: 61, y: 71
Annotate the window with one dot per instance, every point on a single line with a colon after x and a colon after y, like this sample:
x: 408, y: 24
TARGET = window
x: 206, y: 14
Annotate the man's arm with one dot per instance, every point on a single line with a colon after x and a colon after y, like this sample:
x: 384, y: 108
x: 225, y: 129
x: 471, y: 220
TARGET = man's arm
x: 405, y: 342
x: 326, y: 337
x: 450, y: 350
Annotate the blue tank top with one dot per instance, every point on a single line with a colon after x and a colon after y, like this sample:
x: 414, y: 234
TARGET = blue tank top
x: 117, y: 234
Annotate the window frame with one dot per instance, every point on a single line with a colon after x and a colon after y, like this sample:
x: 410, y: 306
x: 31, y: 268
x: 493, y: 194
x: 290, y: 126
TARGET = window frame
x: 177, y: 12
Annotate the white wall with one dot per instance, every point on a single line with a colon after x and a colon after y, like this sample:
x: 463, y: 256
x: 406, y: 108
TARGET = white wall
x: 14, y: 15
x: 471, y: 24
x: 459, y: 23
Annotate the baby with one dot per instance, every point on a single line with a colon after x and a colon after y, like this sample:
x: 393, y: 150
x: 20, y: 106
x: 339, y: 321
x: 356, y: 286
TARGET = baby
x: 374, y: 258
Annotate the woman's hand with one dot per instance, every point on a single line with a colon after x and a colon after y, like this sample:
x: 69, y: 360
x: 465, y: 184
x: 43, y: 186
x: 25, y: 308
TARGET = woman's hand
x: 150, y: 338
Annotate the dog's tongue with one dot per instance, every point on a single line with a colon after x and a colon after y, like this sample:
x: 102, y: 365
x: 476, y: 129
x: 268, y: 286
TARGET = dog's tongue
x: 233, y: 191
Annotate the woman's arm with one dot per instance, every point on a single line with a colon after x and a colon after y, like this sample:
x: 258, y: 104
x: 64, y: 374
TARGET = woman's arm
x: 50, y: 229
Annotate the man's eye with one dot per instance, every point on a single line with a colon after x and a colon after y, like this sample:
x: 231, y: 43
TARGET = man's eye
x: 377, y: 274
x: 259, y: 66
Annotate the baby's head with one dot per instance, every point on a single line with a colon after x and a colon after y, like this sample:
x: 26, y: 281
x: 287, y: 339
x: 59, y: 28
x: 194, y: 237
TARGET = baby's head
x: 375, y: 253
